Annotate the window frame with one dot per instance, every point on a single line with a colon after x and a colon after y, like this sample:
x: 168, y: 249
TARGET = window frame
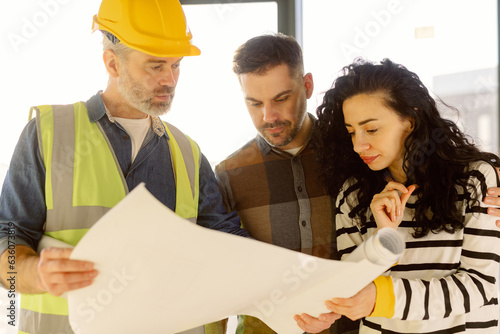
x: 289, y: 13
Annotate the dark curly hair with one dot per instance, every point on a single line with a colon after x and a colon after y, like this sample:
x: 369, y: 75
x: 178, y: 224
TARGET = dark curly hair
x: 436, y: 156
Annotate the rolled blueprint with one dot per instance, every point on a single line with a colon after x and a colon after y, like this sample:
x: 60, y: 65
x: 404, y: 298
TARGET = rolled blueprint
x: 385, y: 248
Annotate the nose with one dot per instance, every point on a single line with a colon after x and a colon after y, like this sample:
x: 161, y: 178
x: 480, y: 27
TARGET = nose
x: 168, y: 78
x: 360, y: 143
x: 269, y: 114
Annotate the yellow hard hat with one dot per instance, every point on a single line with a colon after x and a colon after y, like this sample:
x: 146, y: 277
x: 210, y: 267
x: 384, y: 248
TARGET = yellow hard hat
x: 155, y: 27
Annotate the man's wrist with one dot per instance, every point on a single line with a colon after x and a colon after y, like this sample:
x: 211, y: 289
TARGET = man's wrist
x: 27, y: 262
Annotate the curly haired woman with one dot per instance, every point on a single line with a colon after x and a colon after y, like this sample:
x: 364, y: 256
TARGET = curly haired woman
x: 393, y: 161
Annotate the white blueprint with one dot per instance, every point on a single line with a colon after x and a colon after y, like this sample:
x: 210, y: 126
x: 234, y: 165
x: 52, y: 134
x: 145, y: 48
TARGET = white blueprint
x: 159, y: 273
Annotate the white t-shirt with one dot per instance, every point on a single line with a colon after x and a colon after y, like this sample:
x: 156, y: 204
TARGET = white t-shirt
x: 137, y: 130
x: 293, y: 151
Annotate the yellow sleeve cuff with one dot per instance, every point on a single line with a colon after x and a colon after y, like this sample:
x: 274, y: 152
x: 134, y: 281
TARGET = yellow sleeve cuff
x: 385, y: 300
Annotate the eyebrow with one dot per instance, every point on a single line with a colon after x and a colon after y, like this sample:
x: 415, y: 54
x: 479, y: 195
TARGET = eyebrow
x: 274, y: 97
x: 363, y: 122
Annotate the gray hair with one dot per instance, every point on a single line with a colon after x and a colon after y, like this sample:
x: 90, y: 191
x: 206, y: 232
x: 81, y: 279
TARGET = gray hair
x: 120, y: 49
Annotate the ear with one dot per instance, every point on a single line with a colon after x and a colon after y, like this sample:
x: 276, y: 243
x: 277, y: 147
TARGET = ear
x: 309, y: 84
x: 112, y: 63
x: 410, y: 124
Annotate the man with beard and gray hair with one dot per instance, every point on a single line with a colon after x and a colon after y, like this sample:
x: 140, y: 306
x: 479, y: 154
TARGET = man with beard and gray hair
x: 273, y: 180
x: 73, y: 163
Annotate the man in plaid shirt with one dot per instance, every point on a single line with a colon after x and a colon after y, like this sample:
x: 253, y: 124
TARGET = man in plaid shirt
x: 273, y: 181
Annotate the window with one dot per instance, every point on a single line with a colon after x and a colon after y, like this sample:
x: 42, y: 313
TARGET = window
x: 51, y: 57
x: 209, y: 105
x: 451, y: 44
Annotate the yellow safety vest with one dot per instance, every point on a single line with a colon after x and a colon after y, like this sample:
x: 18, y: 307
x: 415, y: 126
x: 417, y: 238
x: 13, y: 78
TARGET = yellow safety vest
x: 83, y: 181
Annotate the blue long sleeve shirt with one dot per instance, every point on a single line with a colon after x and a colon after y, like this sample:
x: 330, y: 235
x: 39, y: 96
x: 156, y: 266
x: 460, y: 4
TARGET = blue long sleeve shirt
x: 22, y: 200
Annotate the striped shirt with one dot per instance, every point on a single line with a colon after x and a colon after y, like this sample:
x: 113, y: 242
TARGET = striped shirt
x: 280, y: 201
x: 444, y: 283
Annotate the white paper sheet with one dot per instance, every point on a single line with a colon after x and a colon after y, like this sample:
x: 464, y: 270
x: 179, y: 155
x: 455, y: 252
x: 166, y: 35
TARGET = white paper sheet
x: 159, y: 273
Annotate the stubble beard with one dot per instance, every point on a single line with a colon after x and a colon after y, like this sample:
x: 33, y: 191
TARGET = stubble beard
x: 290, y: 132
x: 142, y: 99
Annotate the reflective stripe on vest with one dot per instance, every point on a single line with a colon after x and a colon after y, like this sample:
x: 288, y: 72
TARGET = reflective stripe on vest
x: 84, y: 181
